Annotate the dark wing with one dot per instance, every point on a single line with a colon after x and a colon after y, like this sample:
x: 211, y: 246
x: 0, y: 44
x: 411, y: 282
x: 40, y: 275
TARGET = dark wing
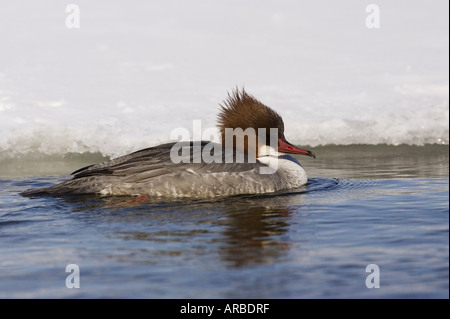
x: 156, y: 161
x: 135, y: 159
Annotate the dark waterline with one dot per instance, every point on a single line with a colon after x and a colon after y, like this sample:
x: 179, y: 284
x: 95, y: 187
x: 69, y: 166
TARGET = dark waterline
x: 363, y: 205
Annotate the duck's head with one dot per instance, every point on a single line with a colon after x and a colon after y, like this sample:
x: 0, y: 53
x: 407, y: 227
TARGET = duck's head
x: 254, y: 124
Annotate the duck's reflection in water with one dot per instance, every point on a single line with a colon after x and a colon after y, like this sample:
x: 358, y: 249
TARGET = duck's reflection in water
x: 254, y: 235
x: 233, y: 232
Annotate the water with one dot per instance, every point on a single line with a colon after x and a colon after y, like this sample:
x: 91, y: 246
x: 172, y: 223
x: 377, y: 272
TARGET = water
x: 388, y: 207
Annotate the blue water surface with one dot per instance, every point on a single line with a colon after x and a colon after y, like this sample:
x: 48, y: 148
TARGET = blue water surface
x: 314, y: 242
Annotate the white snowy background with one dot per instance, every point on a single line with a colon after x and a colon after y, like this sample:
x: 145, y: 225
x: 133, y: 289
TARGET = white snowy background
x: 135, y: 70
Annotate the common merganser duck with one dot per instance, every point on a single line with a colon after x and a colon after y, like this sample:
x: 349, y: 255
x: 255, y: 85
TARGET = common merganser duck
x: 188, y: 169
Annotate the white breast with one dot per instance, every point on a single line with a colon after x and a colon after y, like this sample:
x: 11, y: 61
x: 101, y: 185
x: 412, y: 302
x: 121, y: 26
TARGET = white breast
x: 286, y: 167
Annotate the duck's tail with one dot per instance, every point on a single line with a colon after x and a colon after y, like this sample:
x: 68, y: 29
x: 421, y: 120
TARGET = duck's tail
x: 70, y: 187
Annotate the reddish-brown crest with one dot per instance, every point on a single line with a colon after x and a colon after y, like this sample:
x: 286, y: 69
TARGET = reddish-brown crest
x: 241, y: 110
